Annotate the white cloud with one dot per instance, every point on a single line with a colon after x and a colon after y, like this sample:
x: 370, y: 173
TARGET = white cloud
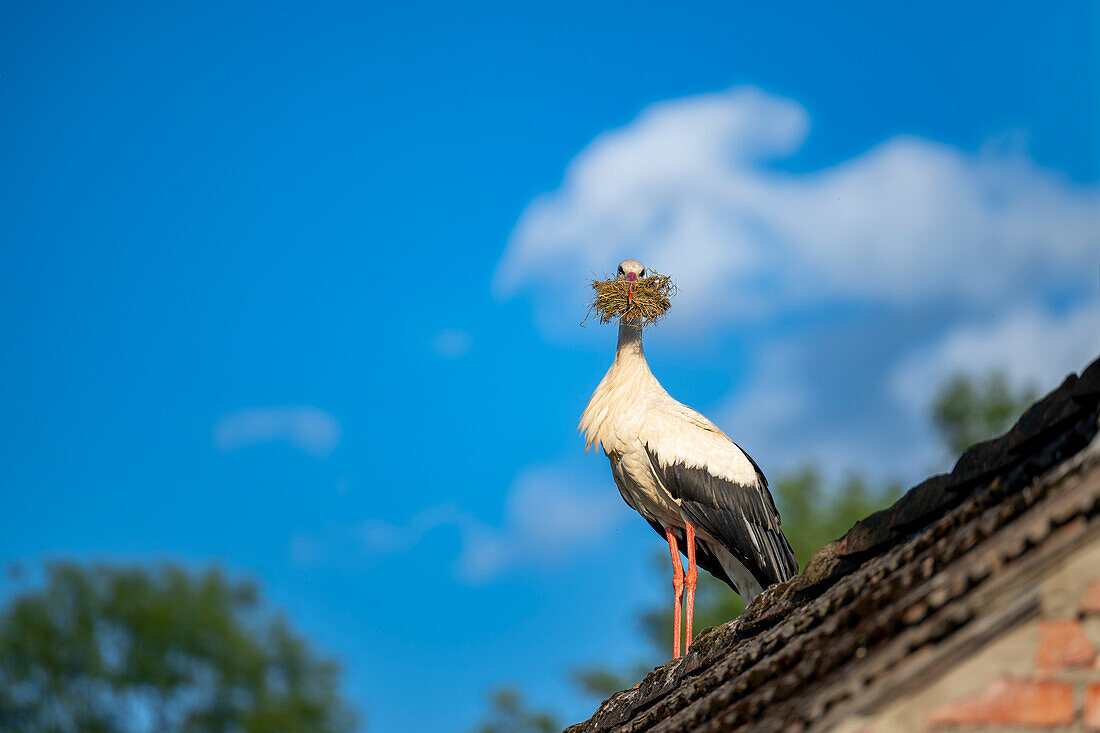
x: 853, y: 290
x: 763, y: 419
x: 688, y: 188
x: 801, y: 405
x: 845, y: 398
x: 386, y: 538
x: 825, y: 282
x: 1033, y: 348
x: 452, y: 343
x: 304, y: 427
x: 548, y: 519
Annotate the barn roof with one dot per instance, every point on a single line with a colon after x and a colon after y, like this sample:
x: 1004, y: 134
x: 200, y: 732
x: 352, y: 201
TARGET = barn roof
x: 904, y: 590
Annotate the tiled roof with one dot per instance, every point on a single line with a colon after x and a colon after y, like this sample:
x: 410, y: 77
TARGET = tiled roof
x: 851, y: 627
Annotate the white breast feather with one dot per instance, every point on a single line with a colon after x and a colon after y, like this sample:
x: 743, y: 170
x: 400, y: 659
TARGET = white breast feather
x: 630, y: 410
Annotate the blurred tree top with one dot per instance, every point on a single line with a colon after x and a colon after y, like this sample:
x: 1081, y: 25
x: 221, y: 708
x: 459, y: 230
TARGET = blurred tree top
x: 509, y: 713
x: 967, y: 411
x: 103, y: 649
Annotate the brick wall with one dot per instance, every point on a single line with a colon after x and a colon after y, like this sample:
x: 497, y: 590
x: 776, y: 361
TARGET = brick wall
x: 1042, y: 674
x: 1062, y: 692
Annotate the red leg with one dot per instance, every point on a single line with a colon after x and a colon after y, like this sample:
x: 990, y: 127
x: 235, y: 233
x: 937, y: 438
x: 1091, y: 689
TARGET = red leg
x: 690, y: 581
x: 678, y: 586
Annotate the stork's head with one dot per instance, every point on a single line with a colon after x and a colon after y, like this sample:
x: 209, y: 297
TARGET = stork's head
x: 630, y: 270
x: 634, y: 296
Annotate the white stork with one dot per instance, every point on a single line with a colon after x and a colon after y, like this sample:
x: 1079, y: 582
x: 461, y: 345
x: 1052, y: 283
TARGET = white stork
x: 693, y: 484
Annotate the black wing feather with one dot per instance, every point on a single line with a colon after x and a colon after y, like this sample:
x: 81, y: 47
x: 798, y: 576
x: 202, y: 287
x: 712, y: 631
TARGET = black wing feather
x: 724, y: 510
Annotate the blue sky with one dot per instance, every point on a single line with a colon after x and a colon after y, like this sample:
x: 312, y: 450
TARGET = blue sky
x: 295, y: 290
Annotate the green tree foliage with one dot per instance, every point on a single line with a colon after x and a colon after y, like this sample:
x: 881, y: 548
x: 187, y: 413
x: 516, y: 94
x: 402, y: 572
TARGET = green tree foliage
x: 509, y: 713
x: 103, y: 649
x: 967, y: 410
x: 601, y: 682
x: 814, y: 514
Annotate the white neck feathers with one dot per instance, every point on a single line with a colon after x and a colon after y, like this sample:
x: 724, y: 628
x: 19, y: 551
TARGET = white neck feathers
x: 630, y: 342
x: 617, y: 408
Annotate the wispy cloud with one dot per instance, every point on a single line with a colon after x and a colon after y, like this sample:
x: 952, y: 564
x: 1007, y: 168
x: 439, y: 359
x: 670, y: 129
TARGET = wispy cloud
x: 1033, y: 348
x: 549, y: 517
x: 304, y: 427
x: 452, y: 343
x: 385, y: 538
x: 379, y: 539
x: 848, y: 399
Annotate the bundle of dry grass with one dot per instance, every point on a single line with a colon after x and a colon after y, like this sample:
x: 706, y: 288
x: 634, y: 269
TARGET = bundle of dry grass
x: 651, y: 299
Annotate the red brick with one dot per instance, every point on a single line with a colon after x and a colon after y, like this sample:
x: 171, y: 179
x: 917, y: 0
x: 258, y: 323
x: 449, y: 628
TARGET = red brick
x: 1090, y: 602
x: 1011, y: 702
x: 1092, y: 706
x: 1063, y: 644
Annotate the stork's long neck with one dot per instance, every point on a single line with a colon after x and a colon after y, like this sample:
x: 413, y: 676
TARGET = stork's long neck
x: 630, y: 371
x: 630, y: 342
x: 619, y: 403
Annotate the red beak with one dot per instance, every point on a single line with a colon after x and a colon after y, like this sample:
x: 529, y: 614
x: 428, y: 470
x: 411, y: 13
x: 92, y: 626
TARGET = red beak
x: 630, y: 277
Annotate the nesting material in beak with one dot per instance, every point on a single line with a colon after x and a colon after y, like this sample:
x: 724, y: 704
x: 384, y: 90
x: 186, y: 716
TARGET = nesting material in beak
x: 644, y: 300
